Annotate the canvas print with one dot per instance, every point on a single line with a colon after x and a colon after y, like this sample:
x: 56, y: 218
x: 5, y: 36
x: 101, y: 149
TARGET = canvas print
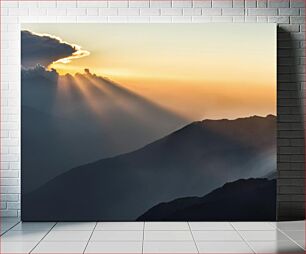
x: 148, y: 122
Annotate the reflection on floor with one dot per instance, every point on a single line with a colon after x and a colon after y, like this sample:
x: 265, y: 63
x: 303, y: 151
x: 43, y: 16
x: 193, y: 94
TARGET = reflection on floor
x: 152, y: 237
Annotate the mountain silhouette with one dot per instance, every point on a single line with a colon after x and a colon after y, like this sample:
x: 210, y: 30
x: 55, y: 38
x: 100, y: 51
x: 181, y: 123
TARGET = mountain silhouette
x: 191, y: 161
x: 242, y: 200
x: 70, y: 120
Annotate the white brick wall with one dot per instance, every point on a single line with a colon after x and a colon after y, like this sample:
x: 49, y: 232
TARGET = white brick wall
x: 289, y: 13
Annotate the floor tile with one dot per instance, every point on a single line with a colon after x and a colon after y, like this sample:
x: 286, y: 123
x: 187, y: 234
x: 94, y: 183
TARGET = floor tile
x: 60, y: 247
x: 253, y: 226
x: 211, y: 226
x: 223, y: 247
x: 7, y: 225
x: 17, y: 247
x: 296, y: 235
x: 9, y: 220
x: 276, y: 247
x: 69, y: 236
x: 114, y: 247
x: 167, y: 235
x: 23, y: 236
x: 120, y: 226
x: 169, y: 247
x: 273, y: 235
x: 216, y: 236
x: 166, y: 226
x: 291, y: 225
x: 33, y: 226
x: 63, y: 226
x: 116, y: 236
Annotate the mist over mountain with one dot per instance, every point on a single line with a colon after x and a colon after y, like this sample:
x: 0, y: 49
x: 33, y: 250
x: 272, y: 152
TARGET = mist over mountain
x: 70, y: 120
x: 191, y: 161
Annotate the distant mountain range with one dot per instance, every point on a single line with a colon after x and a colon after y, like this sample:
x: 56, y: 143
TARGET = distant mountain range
x: 191, y: 161
x: 242, y: 200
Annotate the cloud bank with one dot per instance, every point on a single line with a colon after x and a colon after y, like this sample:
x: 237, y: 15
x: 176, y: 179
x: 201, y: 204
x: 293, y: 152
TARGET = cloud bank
x: 46, y: 49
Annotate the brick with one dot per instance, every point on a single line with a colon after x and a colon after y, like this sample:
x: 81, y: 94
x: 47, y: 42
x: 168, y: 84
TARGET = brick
x: 9, y: 173
x: 222, y: 3
x: 171, y: 11
x: 18, y: 12
x: 211, y: 11
x: 9, y: 181
x: 233, y: 11
x: 262, y: 4
x: 118, y: 3
x: 289, y: 11
x: 57, y: 12
x: 93, y: 4
x: 297, y: 3
x: 92, y: 11
x: 138, y: 19
x: 46, y: 4
x: 262, y: 19
x: 139, y: 4
x: 117, y: 19
x: 250, y: 3
x: 291, y: 182
x: 181, y: 19
x: 9, y: 197
x: 238, y: 19
x: 13, y: 205
x: 278, y: 3
x: 67, y: 19
x: 279, y: 20
x: 297, y: 20
x: 66, y: 4
x: 238, y: 3
x: 292, y: 189
x: 159, y: 19
x: 9, y: 4
x: 192, y: 11
x: 181, y: 3
x: 150, y: 12
x: 28, y: 4
x: 201, y: 19
x: 108, y: 11
x: 249, y: 19
x: 9, y: 213
x: 291, y: 150
x: 76, y: 11
x: 262, y: 12
x: 291, y: 198
x: 222, y: 19
x: 202, y: 3
x: 128, y: 11
x: 160, y: 3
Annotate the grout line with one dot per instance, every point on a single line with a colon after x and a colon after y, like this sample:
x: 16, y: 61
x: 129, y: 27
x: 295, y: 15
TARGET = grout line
x: 42, y: 238
x: 246, y: 242
x: 16, y: 223
x: 193, y: 237
x: 143, y: 232
x: 290, y: 238
x: 90, y: 236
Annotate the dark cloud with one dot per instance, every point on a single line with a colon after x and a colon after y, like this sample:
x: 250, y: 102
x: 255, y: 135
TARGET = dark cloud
x: 39, y: 71
x: 43, y: 49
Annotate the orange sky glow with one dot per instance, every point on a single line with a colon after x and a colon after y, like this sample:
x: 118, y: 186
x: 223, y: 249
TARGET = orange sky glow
x: 199, y: 71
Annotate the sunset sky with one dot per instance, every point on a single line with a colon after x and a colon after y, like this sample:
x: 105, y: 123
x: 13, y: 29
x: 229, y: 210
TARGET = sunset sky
x: 196, y: 70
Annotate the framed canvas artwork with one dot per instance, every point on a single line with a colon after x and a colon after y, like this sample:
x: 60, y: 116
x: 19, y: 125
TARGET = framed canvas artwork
x: 148, y: 122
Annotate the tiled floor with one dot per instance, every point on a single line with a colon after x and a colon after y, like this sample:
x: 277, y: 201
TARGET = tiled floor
x: 152, y: 237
